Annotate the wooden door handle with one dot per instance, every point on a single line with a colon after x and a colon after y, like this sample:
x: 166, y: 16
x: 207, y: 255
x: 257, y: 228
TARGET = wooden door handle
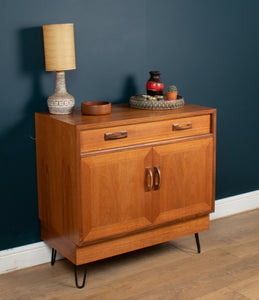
x: 182, y: 126
x: 115, y: 135
x: 148, y: 180
x: 157, y: 178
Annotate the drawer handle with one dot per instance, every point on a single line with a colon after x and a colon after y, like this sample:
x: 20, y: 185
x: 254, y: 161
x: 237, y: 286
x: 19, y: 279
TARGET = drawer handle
x: 157, y: 178
x: 148, y: 180
x: 182, y: 126
x: 115, y: 135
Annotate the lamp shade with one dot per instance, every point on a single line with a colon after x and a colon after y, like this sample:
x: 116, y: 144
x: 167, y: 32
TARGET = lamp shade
x: 59, y: 47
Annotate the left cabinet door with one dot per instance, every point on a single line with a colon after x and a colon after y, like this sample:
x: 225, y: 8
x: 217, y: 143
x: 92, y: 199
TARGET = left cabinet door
x: 113, y: 196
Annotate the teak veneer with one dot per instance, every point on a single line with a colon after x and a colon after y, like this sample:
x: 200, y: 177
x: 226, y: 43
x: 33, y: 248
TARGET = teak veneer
x: 120, y: 182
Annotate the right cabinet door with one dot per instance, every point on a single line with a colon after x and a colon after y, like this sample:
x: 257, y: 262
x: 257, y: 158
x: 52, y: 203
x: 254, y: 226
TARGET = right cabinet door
x: 183, y: 175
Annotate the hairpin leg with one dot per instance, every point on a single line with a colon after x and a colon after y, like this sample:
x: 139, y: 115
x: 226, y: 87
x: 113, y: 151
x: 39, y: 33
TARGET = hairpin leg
x: 83, y: 283
x: 198, y: 242
x: 53, y: 256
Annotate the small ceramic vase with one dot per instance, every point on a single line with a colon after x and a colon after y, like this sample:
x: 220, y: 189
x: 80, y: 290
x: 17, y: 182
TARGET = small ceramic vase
x: 155, y: 85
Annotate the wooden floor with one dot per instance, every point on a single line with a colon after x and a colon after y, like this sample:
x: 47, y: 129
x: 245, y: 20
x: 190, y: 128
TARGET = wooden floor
x: 227, y: 268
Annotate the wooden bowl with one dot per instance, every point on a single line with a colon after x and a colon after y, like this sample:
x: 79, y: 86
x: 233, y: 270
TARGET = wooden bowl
x: 96, y: 108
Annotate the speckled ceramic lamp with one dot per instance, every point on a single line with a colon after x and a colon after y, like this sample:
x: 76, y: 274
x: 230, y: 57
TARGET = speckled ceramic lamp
x: 59, y: 49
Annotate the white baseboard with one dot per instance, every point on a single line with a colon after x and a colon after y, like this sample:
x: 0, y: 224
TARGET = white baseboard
x: 24, y: 257
x: 39, y: 253
x: 235, y: 204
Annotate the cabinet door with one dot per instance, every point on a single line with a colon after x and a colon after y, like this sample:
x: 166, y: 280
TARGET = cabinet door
x: 186, y: 185
x: 113, y: 195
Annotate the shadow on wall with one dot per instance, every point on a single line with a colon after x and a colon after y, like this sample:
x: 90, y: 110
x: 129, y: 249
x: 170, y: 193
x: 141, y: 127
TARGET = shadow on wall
x: 129, y: 89
x: 19, y: 223
x: 32, y: 63
x: 19, y: 217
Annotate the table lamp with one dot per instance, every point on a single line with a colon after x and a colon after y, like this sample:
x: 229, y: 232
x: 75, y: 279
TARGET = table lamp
x: 59, y: 50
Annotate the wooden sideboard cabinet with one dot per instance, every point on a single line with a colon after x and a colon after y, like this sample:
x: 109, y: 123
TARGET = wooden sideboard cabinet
x: 120, y: 182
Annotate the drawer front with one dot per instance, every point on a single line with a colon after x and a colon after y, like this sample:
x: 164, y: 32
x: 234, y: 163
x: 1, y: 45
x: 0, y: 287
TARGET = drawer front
x: 113, y: 137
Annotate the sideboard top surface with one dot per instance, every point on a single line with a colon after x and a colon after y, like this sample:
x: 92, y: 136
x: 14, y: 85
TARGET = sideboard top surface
x: 123, y: 114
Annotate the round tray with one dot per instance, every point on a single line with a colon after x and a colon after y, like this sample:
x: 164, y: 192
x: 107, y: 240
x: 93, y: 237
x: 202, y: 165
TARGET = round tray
x: 141, y: 102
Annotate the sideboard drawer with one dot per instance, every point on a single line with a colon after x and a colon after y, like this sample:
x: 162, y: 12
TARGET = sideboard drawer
x: 114, y: 137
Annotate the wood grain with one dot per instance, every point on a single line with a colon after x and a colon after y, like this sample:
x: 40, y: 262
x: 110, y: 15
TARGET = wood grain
x: 94, y: 205
x: 122, y: 114
x: 226, y: 269
x: 214, y: 132
x: 122, y: 244
x: 113, y: 193
x: 58, y: 176
x: 140, y: 240
x: 187, y: 179
x: 182, y: 126
x: 92, y: 140
x: 96, y: 108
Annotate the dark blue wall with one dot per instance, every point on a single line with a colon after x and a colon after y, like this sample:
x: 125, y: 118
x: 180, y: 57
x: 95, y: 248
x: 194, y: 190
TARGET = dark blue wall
x: 209, y: 49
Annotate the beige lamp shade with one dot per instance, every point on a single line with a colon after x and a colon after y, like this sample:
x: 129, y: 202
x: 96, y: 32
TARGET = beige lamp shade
x: 59, y: 47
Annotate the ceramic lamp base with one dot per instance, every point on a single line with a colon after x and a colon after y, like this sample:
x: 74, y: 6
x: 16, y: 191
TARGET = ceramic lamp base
x: 61, y: 102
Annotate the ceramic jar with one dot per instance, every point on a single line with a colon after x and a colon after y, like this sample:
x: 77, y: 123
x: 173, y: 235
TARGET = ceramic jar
x: 155, y: 85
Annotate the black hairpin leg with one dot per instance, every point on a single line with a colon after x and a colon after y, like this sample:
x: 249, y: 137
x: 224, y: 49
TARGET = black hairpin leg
x: 83, y: 283
x: 53, y: 256
x: 198, y: 242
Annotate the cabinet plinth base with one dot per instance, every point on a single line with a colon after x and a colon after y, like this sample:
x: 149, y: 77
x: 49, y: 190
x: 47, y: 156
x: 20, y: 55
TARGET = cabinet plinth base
x: 82, y: 255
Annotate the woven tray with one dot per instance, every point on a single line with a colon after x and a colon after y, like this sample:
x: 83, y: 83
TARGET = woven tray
x: 140, y: 102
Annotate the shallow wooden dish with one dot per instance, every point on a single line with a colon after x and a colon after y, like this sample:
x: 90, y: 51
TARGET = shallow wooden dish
x: 96, y: 108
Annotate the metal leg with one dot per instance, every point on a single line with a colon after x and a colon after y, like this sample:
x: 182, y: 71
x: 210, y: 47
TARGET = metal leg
x: 53, y: 256
x: 85, y: 271
x: 198, y: 242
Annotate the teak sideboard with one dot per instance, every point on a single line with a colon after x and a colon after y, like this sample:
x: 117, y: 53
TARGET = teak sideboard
x: 120, y: 182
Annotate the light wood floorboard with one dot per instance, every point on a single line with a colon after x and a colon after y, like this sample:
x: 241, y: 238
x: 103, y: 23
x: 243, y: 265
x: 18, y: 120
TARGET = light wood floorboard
x: 227, y: 268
